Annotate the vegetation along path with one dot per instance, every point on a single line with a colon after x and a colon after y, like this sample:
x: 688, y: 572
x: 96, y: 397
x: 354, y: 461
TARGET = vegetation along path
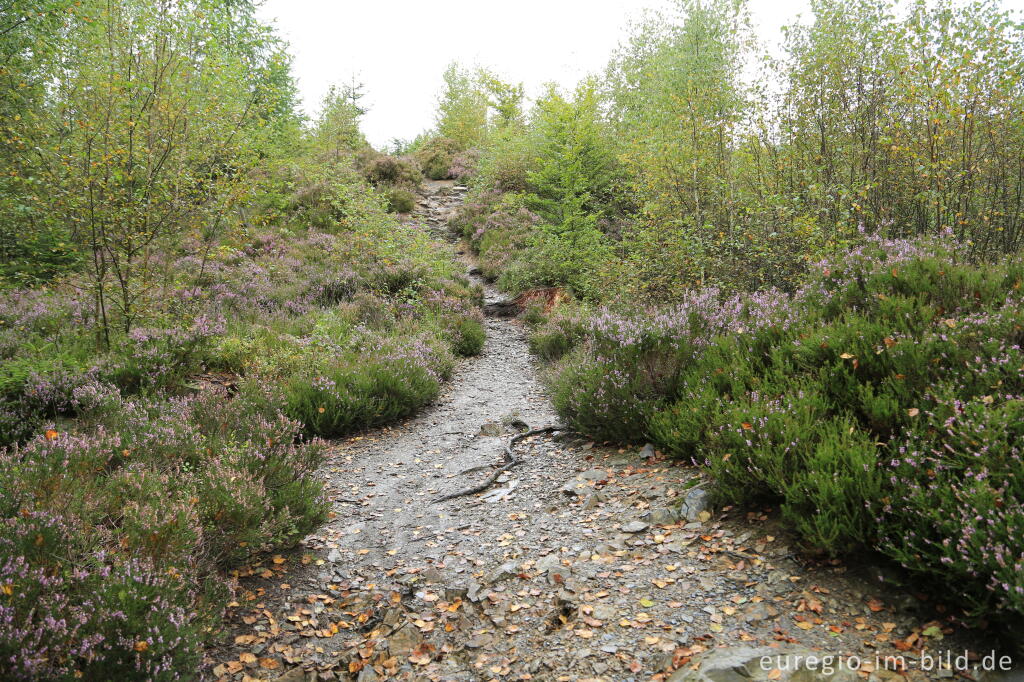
x: 583, y: 562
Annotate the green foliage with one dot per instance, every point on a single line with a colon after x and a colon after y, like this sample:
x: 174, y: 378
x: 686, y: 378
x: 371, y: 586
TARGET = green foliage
x: 37, y: 257
x: 115, y: 570
x: 401, y: 200
x: 340, y: 399
x: 461, y: 109
x: 469, y: 337
x: 879, y: 406
x: 336, y: 133
x: 435, y: 157
x: 390, y: 170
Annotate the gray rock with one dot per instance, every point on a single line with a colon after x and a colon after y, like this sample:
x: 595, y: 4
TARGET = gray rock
x: 663, y: 517
x: 759, y: 611
x: 473, y: 591
x: 635, y: 527
x: 403, y: 640
x: 453, y: 593
x: 694, y: 502
x: 547, y: 562
x: 593, y: 475
x: 575, y: 487
x: 507, y: 570
x: 367, y: 674
x: 296, y: 675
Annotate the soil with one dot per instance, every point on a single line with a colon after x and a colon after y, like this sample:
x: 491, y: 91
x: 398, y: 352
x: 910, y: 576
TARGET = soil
x: 573, y: 565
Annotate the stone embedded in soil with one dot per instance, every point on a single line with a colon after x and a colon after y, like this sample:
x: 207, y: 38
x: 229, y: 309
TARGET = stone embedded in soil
x: 403, y: 640
x: 635, y: 527
x: 695, y: 501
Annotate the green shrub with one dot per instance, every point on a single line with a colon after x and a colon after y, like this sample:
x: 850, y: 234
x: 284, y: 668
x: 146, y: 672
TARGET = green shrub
x: 339, y: 399
x: 394, y: 171
x: 115, y: 571
x: 36, y: 256
x: 879, y: 406
x: 435, y: 157
x: 556, y: 335
x: 401, y: 200
x: 469, y: 337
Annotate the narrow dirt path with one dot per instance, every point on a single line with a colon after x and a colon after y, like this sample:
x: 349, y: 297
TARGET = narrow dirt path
x: 585, y: 562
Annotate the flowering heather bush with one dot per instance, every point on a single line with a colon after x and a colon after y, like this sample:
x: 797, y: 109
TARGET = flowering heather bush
x: 435, y: 157
x: 880, y: 405
x: 112, y: 576
x: 497, y: 227
x: 392, y: 382
x: 394, y: 171
x: 464, y: 165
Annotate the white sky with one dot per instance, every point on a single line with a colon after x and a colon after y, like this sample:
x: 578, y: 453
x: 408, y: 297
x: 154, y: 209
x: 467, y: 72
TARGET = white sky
x: 400, y: 48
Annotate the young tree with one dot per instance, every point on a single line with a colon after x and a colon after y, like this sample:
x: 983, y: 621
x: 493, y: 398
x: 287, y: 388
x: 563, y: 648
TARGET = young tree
x: 574, y: 161
x: 677, y: 101
x: 337, y: 131
x: 152, y: 115
x: 462, y: 109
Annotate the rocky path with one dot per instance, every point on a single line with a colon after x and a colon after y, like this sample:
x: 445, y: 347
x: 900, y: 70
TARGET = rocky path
x: 585, y: 562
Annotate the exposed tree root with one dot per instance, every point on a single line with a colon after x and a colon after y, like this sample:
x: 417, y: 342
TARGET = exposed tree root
x: 510, y: 461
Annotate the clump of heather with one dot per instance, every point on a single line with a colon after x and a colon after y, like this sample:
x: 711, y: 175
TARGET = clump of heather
x: 879, y: 405
x: 114, y: 538
x: 497, y: 227
x: 464, y: 165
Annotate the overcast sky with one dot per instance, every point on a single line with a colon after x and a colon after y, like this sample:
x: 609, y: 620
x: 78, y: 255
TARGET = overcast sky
x: 400, y: 48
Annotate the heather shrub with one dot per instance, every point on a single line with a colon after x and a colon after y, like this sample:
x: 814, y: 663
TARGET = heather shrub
x: 959, y: 515
x: 394, y: 382
x: 879, y: 405
x: 401, y: 200
x: 469, y: 337
x: 394, y: 171
x: 464, y: 165
x: 116, y: 575
x: 160, y: 358
x: 435, y: 157
x: 555, y: 335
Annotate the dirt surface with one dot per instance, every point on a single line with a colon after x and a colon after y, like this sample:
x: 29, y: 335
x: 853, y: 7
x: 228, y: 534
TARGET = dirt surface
x: 584, y: 562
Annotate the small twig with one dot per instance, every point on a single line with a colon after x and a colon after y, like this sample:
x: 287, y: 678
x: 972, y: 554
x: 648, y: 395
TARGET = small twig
x: 510, y: 461
x: 473, y: 470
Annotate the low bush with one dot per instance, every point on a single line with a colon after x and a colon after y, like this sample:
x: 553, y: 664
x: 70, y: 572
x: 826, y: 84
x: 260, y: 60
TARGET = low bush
x: 394, y: 383
x: 435, y: 157
x: 401, y: 200
x: 128, y: 491
x: 879, y: 405
x: 114, y: 536
x: 394, y: 171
